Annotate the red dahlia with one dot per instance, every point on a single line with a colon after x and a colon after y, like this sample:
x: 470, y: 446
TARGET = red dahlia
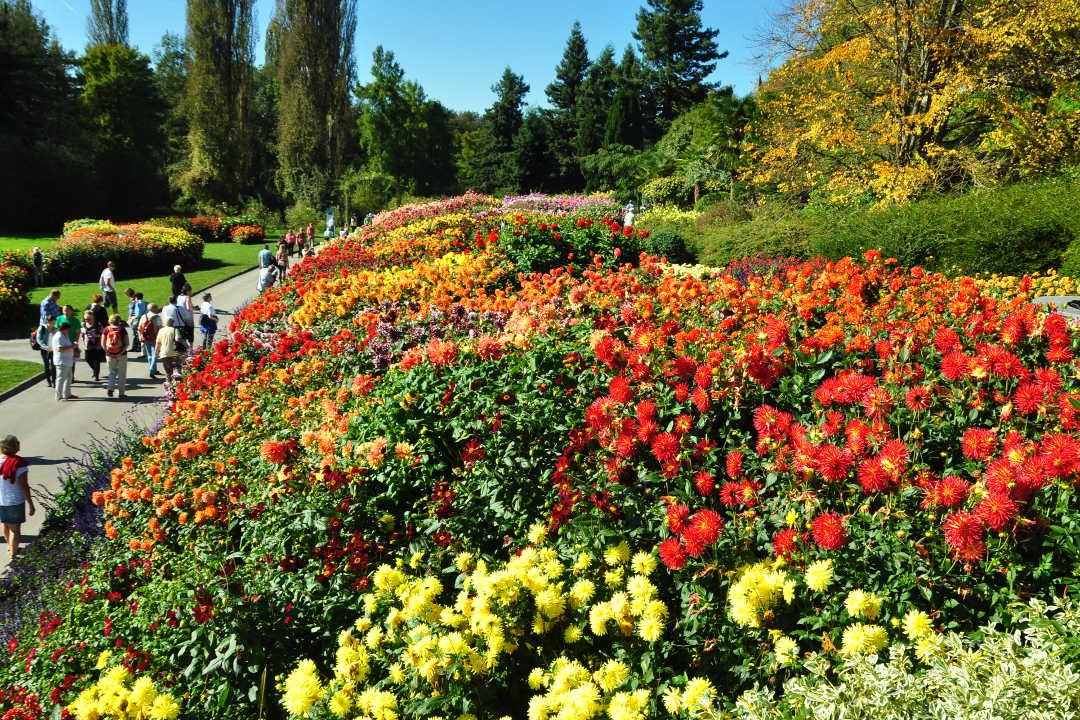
x: 619, y: 389
x: 672, y: 553
x: 978, y: 443
x: 833, y: 463
x: 676, y: 518
x: 705, y: 525
x: 828, y: 532
x: 784, y: 543
x: 964, y: 534
x: 996, y: 511
x: 665, y: 447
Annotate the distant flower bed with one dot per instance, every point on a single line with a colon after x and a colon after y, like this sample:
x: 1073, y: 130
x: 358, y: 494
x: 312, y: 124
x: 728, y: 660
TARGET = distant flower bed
x: 15, y: 281
x: 214, y: 228
x: 85, y: 248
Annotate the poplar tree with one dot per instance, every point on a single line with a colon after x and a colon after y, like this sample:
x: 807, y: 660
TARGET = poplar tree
x: 220, y: 42
x: 108, y: 22
x: 315, y: 71
x: 678, y: 52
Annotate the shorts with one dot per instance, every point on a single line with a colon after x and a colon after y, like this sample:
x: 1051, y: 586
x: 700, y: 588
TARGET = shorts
x: 13, y: 514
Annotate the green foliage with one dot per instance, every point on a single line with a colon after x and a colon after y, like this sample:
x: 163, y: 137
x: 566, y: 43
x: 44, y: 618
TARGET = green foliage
x: 594, y: 103
x: 108, y: 22
x: 300, y: 215
x: 786, y: 235
x: 563, y: 94
x: 665, y: 190
x: 1024, y: 674
x: 679, y: 53
x: 538, y: 168
x: 218, y: 99
x: 482, y: 167
x: 505, y: 114
x: 667, y: 243
x: 315, y: 72
x: 1018, y: 229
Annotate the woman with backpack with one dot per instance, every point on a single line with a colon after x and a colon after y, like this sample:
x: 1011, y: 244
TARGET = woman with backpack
x: 148, y: 330
x: 90, y: 342
x: 115, y: 341
x: 14, y: 492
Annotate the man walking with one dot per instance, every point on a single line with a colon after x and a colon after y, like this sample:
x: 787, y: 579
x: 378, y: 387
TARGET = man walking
x: 266, y: 258
x: 38, y: 259
x: 114, y: 340
x: 63, y: 358
x: 107, y: 283
x: 148, y: 330
x: 136, y: 310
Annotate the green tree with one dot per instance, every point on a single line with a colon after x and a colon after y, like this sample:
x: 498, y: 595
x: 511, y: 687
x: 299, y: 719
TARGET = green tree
x: 108, y: 22
x: 594, y: 102
x: 170, y: 75
x: 120, y: 100
x: 678, y: 52
x: 220, y: 86
x: 482, y: 166
x: 505, y: 115
x: 625, y: 120
x: 315, y: 71
x: 563, y: 96
x: 537, y: 166
x: 43, y: 164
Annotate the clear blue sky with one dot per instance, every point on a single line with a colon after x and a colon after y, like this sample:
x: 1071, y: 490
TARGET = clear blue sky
x: 457, y: 49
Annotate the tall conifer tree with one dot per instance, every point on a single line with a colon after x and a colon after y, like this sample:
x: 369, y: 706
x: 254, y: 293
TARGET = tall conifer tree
x: 563, y: 96
x: 220, y: 41
x: 594, y: 102
x: 678, y: 52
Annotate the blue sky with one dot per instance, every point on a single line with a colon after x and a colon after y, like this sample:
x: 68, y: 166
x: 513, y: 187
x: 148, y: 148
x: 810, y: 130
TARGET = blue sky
x: 457, y: 49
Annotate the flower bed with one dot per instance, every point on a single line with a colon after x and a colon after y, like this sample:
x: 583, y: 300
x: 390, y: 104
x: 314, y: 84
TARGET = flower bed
x: 15, y: 279
x: 85, y: 248
x: 214, y: 228
x: 417, y: 481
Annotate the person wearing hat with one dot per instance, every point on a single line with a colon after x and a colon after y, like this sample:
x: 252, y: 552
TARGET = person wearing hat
x: 63, y: 350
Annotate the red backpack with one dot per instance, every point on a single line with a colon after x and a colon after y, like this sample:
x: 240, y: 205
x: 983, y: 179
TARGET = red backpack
x: 148, y: 330
x: 114, y: 340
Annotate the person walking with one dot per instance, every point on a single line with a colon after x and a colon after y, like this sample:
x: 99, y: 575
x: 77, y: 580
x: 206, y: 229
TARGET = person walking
x: 185, y: 311
x: 136, y: 310
x: 148, y: 330
x: 71, y: 329
x: 267, y: 277
x: 107, y: 283
x: 38, y: 259
x: 63, y: 351
x: 50, y: 309
x: 97, y: 307
x: 115, y: 342
x: 15, y: 497
x: 177, y: 280
x: 44, y: 334
x: 208, y: 320
x: 266, y: 258
x: 90, y: 342
x: 282, y: 258
x: 165, y: 348
x: 311, y: 234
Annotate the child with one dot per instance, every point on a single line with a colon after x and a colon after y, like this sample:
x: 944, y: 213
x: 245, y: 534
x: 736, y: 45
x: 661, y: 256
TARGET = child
x: 14, y: 492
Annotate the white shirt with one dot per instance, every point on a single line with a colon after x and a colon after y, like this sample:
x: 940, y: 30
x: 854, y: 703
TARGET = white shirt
x: 169, y: 313
x: 107, y: 281
x: 11, y: 493
x: 186, y: 317
x: 59, y: 340
x: 207, y: 310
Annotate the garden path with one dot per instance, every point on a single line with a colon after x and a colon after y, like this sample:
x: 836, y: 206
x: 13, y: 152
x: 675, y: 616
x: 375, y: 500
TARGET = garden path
x: 55, y: 435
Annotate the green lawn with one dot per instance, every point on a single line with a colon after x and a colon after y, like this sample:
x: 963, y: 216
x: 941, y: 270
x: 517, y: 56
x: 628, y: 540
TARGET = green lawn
x: 220, y: 262
x: 13, y: 372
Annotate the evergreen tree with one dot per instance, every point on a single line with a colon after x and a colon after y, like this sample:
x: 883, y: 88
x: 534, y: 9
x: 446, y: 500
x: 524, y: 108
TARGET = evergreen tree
x: 625, y: 119
x: 562, y: 118
x: 481, y: 165
x: 678, y: 52
x: 108, y: 22
x: 44, y: 169
x: 538, y: 168
x: 594, y: 102
x: 315, y: 71
x: 121, y: 102
x: 218, y: 102
x: 505, y: 115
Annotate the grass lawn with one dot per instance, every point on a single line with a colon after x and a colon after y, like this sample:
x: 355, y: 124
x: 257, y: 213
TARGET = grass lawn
x: 220, y: 262
x: 13, y: 372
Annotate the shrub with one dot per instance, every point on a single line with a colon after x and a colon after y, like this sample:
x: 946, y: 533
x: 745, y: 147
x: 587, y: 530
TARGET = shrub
x: 206, y: 227
x: 15, y: 281
x: 150, y: 248
x: 300, y: 216
x: 785, y: 235
x: 247, y: 233
x: 668, y: 190
x: 667, y: 244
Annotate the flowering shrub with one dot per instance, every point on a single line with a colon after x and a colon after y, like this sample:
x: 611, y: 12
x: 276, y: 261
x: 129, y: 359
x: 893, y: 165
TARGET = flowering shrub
x: 214, y: 228
x: 432, y: 421
x: 151, y: 248
x: 15, y: 281
x: 247, y: 233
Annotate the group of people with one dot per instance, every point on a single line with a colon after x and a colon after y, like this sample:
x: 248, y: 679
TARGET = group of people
x: 104, y: 338
x: 274, y: 264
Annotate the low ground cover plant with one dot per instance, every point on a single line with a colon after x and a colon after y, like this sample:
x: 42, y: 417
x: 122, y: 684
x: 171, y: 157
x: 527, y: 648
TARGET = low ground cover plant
x: 481, y: 460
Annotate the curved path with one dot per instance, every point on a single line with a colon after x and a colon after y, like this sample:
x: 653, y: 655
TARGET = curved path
x: 54, y: 435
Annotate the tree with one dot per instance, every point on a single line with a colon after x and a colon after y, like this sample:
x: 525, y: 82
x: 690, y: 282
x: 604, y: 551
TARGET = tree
x: 505, y: 115
x: 678, y: 52
x: 563, y: 96
x: 218, y: 101
x: 594, y: 103
x: 403, y: 134
x: 625, y: 120
x: 170, y: 77
x: 897, y: 98
x: 482, y: 166
x: 44, y: 168
x: 108, y: 22
x: 538, y: 167
x: 315, y: 70
x: 120, y: 100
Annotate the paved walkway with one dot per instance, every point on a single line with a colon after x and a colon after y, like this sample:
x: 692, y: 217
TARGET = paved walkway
x: 54, y: 434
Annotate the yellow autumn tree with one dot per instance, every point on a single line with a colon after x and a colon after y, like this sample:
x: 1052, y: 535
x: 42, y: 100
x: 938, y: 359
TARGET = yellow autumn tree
x: 895, y: 98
